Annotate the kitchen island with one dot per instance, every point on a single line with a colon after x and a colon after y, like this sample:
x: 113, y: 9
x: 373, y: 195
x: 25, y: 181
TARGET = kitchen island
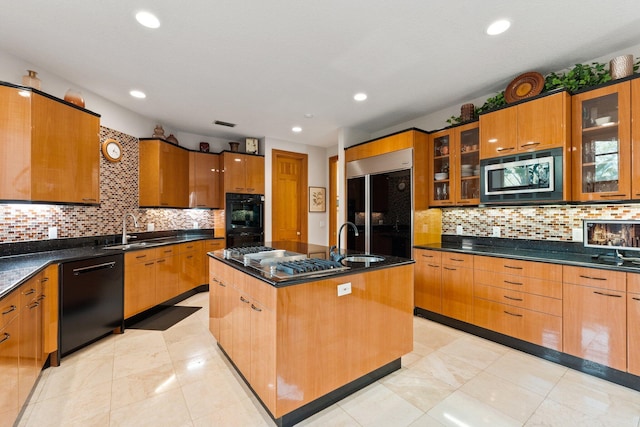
x: 304, y: 343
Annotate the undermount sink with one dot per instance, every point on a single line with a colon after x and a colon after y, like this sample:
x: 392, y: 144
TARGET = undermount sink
x: 363, y: 258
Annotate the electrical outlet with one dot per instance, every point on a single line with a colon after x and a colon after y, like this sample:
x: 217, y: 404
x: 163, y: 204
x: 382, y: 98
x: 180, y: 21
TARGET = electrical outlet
x: 496, y: 232
x: 576, y: 234
x: 344, y: 289
x: 195, y: 224
x: 151, y: 226
x: 459, y: 230
x: 53, y: 232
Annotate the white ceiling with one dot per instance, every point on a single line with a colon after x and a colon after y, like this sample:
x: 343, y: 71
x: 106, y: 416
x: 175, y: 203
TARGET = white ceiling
x: 264, y: 64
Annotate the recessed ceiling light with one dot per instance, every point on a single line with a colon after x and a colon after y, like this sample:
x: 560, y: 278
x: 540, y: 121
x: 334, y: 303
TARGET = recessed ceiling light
x: 137, y: 94
x: 498, y: 27
x: 308, y: 116
x: 296, y: 129
x: 360, y: 96
x: 147, y: 19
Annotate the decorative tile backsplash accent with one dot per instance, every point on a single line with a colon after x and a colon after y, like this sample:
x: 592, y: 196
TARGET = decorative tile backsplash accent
x: 554, y: 222
x: 118, y: 195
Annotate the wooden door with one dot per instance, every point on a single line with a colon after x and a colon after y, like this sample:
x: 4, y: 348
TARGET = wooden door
x: 542, y: 123
x: 139, y: 281
x: 633, y: 320
x: 289, y: 196
x: 233, y: 176
x: 254, y: 179
x: 204, y: 177
x: 333, y: 200
x: 30, y: 333
x: 635, y: 139
x: 167, y: 273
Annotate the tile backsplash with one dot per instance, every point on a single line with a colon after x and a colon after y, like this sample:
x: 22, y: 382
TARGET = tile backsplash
x: 118, y: 195
x: 555, y: 222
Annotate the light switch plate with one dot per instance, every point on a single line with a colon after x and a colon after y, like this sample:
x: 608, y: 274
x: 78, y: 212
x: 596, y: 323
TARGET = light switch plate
x: 53, y: 232
x: 496, y: 232
x: 459, y: 230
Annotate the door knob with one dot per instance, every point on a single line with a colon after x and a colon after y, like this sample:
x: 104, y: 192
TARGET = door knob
x: 297, y: 233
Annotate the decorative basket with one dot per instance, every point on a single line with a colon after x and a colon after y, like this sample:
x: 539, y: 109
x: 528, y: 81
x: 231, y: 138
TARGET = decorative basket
x: 621, y: 66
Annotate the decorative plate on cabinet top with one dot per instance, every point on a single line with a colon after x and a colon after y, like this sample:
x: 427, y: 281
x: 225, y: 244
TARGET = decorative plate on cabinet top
x: 524, y: 86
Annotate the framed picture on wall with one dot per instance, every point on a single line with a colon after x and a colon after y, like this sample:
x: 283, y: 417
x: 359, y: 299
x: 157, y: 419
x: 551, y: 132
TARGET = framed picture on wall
x: 317, y: 199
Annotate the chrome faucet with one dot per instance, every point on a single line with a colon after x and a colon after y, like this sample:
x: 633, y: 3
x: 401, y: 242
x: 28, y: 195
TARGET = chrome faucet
x: 337, y: 256
x: 125, y: 236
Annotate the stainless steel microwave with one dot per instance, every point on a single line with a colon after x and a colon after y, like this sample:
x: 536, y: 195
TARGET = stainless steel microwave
x: 529, y: 177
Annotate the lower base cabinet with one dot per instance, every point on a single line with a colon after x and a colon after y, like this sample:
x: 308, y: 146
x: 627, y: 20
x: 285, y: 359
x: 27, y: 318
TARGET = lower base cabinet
x: 633, y: 323
x: 9, y: 370
x: 428, y: 280
x: 594, y: 320
x: 457, y: 286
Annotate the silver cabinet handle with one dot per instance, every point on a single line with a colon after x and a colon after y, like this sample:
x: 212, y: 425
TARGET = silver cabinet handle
x: 256, y: 308
x: 246, y: 301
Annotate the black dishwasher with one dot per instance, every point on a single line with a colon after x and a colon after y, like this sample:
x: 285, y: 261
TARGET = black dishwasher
x: 91, y: 301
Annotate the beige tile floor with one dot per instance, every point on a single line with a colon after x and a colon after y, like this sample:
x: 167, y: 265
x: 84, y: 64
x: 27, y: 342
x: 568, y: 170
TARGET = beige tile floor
x: 179, y: 377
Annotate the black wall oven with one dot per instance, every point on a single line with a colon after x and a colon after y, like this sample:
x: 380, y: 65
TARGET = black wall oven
x: 244, y: 216
x: 529, y: 177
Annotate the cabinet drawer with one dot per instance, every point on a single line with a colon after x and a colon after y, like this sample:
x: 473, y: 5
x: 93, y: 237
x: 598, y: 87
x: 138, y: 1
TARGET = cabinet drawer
x: 538, y: 270
x: 166, y: 251
x: 214, y: 245
x: 28, y: 292
x: 530, y: 285
x: 433, y: 257
x: 262, y: 293
x: 190, y: 247
x: 531, y: 326
x: 9, y: 307
x: 605, y: 279
x: 633, y: 283
x: 519, y: 299
x: 452, y: 258
x: 139, y: 256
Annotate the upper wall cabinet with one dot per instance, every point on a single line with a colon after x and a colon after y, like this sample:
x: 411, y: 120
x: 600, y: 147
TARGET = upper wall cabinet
x: 530, y: 126
x: 242, y: 173
x: 164, y: 175
x: 49, y: 149
x: 204, y: 180
x: 602, y: 143
x: 412, y: 138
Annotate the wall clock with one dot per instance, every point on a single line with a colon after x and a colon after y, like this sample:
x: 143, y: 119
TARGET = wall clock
x: 112, y: 150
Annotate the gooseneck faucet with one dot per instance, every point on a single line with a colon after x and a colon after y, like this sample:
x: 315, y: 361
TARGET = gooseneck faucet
x: 125, y: 236
x: 338, y: 256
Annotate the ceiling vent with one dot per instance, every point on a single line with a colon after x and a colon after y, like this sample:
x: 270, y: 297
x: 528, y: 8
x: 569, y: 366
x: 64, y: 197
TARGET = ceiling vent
x: 227, y: 124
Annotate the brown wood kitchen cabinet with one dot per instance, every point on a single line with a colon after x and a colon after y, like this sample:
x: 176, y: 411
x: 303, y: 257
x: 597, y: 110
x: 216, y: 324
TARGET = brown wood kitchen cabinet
x: 633, y: 320
x: 428, y: 280
x: 9, y: 358
x: 602, y: 143
x: 139, y: 281
x: 164, y: 174
x: 192, y: 265
x: 522, y: 299
x: 242, y: 173
x: 30, y: 337
x: 457, y: 286
x: 50, y: 149
x: 168, y: 270
x: 594, y: 315
x: 454, y: 152
x: 533, y: 125
x: 204, y: 180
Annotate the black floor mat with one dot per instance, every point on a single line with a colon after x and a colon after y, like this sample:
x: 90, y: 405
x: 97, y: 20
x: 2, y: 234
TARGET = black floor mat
x: 166, y: 318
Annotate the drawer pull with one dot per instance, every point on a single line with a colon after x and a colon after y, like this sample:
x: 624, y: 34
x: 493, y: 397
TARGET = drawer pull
x: 513, y: 267
x: 612, y: 195
x: 5, y: 338
x: 222, y: 284
x: 505, y: 149
x: 256, y: 308
x: 512, y: 314
x: 246, y: 301
x: 427, y: 256
x: 44, y: 280
x: 529, y: 144
x: 450, y: 269
x: 190, y: 256
x: 149, y: 263
x: 433, y: 265
x: 456, y: 259
x: 512, y: 298
x: 607, y: 295
x: 29, y: 292
x: 33, y: 305
x: 513, y: 283
x: 12, y: 308
x: 635, y: 298
x: 140, y: 256
x: 593, y: 278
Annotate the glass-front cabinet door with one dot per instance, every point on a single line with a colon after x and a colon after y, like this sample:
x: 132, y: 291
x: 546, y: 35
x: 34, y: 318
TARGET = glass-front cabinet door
x: 467, y: 183
x: 440, y: 155
x: 455, y: 160
x: 635, y: 140
x: 602, y: 144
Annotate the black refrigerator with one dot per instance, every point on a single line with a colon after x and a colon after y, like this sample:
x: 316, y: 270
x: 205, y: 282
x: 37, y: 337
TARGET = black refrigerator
x: 379, y: 203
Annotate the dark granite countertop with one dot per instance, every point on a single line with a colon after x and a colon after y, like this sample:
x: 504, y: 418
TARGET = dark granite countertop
x: 312, y: 251
x: 535, y: 250
x: 16, y: 267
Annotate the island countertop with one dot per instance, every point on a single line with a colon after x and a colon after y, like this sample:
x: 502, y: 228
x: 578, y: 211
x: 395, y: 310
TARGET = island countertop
x: 312, y: 251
